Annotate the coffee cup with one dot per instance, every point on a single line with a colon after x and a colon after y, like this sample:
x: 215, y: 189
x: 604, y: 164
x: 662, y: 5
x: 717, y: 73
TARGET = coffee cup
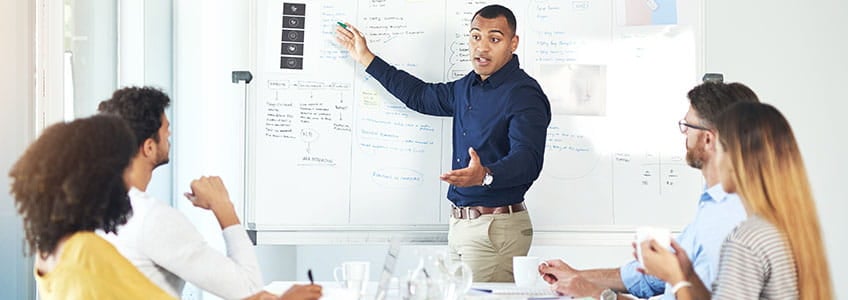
x: 646, y: 233
x: 353, y: 275
x: 525, y: 270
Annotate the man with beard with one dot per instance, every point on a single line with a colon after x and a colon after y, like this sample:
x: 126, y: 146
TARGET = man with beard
x: 158, y: 239
x: 500, y: 121
x: 717, y: 212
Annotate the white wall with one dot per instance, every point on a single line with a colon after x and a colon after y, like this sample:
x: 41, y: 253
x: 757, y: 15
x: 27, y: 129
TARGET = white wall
x: 93, y: 45
x: 16, y: 131
x: 793, y: 54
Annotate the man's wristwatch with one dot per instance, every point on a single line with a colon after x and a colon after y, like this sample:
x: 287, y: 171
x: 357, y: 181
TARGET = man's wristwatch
x: 487, y: 179
x: 608, y: 294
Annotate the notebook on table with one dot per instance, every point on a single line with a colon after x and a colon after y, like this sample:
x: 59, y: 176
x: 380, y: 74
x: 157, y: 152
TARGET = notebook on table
x: 508, y: 288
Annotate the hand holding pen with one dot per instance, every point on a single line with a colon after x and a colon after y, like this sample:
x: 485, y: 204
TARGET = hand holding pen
x: 302, y: 292
x: 296, y: 292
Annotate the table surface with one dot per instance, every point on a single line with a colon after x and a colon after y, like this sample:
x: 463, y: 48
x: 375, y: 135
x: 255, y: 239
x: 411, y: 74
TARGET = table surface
x: 500, y: 291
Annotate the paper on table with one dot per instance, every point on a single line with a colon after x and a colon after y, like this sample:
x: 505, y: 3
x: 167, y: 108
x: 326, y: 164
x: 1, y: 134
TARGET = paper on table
x: 329, y: 292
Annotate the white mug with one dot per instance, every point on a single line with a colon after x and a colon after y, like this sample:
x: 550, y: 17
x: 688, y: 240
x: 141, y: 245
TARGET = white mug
x: 661, y: 235
x: 525, y: 269
x: 354, y: 275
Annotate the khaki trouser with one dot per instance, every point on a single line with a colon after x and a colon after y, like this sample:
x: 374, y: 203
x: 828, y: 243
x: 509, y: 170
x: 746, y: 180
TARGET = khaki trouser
x: 488, y: 243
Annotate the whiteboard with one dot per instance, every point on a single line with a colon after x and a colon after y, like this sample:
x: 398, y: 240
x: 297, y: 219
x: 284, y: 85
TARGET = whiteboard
x: 329, y: 149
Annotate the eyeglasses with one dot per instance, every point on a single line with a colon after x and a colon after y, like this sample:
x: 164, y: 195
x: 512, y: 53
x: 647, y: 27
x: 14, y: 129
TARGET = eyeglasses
x: 684, y: 126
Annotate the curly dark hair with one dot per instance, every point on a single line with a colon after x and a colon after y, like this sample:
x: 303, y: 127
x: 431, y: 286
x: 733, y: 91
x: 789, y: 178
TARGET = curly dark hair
x: 71, y: 179
x: 141, y: 107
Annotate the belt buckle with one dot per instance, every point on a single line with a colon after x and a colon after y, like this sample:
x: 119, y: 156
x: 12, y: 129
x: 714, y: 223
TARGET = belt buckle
x: 472, y: 213
x: 465, y: 212
x: 457, y: 212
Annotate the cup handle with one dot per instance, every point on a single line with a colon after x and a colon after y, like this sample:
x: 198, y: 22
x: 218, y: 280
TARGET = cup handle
x: 639, y: 254
x: 336, y: 275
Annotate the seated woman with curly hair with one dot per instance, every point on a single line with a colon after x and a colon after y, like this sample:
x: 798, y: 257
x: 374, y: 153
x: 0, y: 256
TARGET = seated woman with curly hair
x: 71, y: 182
x: 68, y: 184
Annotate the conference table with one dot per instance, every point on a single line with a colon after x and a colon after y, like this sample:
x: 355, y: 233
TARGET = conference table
x: 479, y: 291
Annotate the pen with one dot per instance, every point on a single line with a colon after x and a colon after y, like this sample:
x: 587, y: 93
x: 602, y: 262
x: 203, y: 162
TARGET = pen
x: 343, y: 25
x: 190, y: 196
x: 309, y: 274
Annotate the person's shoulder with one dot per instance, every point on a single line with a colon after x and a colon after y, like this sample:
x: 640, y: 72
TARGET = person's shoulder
x: 523, y: 82
x: 753, y: 226
x: 521, y: 77
x: 163, y: 210
x: 520, y: 80
x: 756, y: 233
x: 464, y: 81
x: 84, y: 239
x: 727, y: 209
x: 150, y: 207
x: 87, y: 244
x: 161, y: 221
x: 143, y: 202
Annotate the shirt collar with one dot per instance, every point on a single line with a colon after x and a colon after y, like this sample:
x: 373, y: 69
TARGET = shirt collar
x: 134, y: 190
x: 500, y: 76
x: 714, y: 193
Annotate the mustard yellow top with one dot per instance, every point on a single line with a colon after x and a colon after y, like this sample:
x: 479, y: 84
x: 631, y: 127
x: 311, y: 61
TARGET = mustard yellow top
x: 91, y: 268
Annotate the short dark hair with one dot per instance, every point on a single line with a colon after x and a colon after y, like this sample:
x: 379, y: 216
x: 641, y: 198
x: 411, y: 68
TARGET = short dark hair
x: 711, y: 98
x: 141, y: 107
x: 71, y: 179
x: 494, y: 11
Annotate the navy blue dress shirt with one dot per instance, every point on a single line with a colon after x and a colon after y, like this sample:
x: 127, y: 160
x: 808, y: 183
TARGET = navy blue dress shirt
x: 504, y: 118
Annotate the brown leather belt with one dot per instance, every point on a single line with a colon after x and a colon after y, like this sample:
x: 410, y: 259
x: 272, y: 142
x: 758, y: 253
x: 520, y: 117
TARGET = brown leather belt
x: 473, y: 212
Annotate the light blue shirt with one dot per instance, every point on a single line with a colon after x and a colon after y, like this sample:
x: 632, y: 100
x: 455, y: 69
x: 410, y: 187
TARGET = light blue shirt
x: 718, y: 213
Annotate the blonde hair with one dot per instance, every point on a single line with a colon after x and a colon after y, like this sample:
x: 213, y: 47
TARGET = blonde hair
x: 771, y: 179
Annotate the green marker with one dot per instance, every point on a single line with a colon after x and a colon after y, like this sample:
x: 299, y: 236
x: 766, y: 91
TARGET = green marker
x: 343, y: 25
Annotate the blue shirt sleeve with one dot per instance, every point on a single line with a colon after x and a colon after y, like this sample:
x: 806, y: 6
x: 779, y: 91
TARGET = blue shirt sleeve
x: 638, y: 284
x: 427, y: 98
x: 645, y: 286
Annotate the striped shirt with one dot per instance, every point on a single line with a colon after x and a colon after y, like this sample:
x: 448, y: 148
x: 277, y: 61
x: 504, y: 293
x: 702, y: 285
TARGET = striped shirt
x: 756, y: 263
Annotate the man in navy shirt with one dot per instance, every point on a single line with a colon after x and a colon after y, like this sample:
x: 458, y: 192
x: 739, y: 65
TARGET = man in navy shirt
x: 500, y: 120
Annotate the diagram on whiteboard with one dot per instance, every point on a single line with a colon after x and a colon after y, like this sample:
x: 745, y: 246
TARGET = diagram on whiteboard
x: 330, y: 140
x: 309, y: 114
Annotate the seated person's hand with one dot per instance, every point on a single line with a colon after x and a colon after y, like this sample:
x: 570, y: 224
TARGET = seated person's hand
x: 302, y: 292
x: 671, y: 267
x: 555, y: 269
x: 577, y: 287
x: 209, y: 193
x: 296, y: 292
x: 263, y: 295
